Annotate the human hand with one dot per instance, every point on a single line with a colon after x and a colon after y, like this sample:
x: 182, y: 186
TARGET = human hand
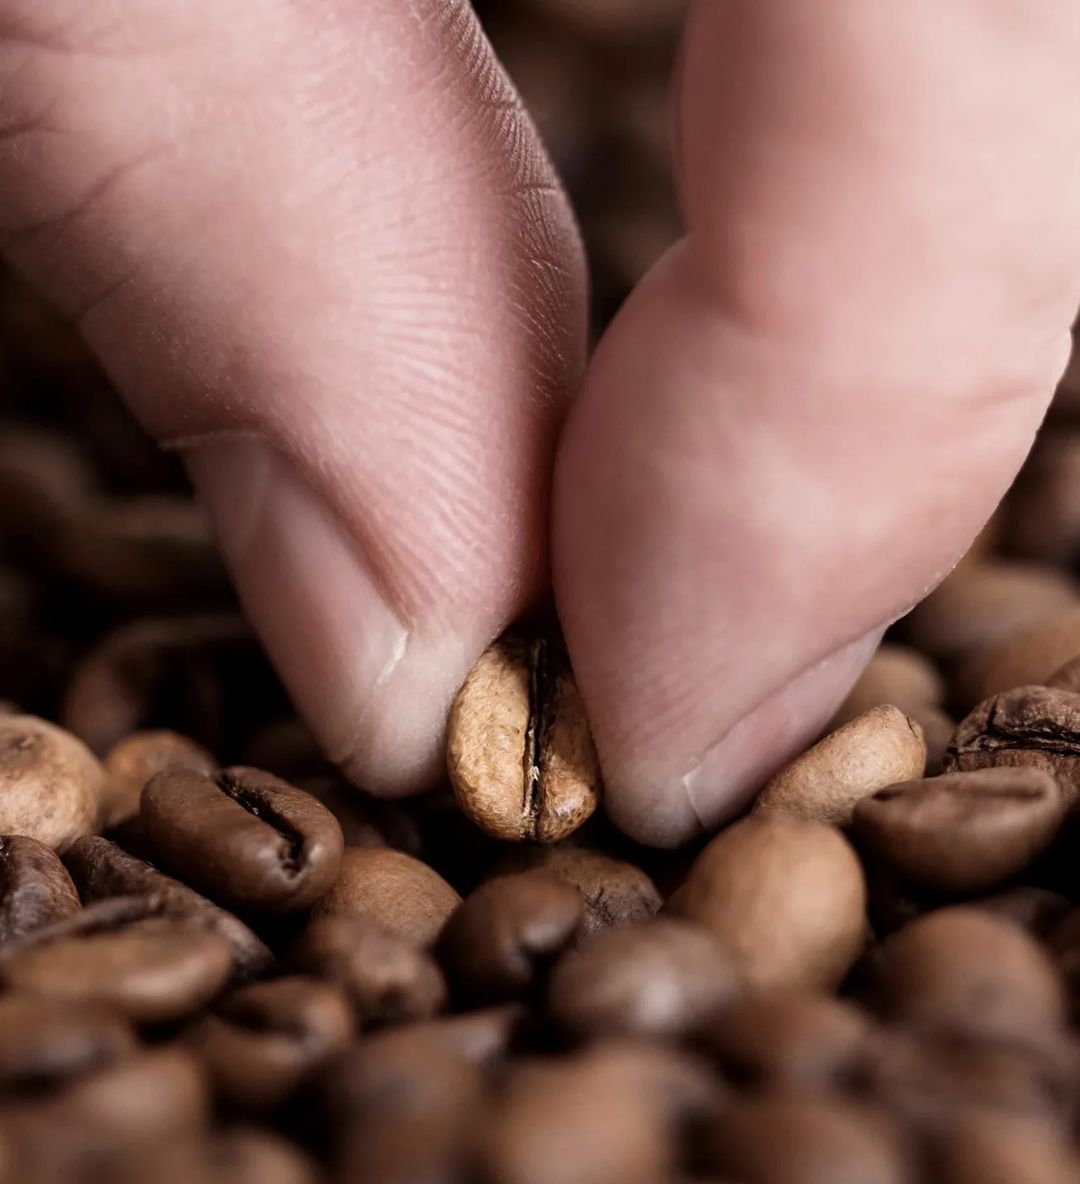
x: 319, y: 250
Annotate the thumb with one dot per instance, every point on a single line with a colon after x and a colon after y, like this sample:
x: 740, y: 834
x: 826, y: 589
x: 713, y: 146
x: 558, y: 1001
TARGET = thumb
x: 803, y: 415
x: 319, y: 250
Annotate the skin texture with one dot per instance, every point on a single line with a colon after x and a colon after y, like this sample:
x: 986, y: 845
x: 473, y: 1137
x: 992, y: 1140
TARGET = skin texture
x: 319, y: 250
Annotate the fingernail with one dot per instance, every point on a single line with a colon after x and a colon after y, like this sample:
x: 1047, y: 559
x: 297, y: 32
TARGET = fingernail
x: 324, y: 616
x: 724, y: 781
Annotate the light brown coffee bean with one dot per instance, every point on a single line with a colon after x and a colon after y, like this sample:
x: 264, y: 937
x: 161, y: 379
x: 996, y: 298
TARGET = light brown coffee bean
x: 519, y: 751
x: 896, y: 675
x: 131, y: 763
x: 1032, y: 725
x: 50, y: 782
x: 263, y: 1042
x: 879, y: 748
x: 389, y: 979
x: 985, y: 601
x: 981, y: 1147
x: 616, y: 892
x: 1025, y: 658
x: 962, y: 832
x: 121, y: 952
x: 403, y: 894
x: 665, y: 977
x: 102, y: 870
x: 499, y: 943
x: 609, y: 1115
x: 787, y: 1038
x: 962, y: 967
x: 35, y: 888
x: 791, y: 1137
x: 786, y: 896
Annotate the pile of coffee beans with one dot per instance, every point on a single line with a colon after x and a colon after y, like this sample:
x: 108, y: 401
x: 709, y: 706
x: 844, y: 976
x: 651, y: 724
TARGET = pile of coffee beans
x: 219, y: 962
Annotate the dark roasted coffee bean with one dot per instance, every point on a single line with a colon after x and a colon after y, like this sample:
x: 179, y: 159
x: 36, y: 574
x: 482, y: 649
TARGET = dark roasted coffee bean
x: 263, y: 1042
x: 610, y: 1115
x: 35, y: 888
x: 665, y: 977
x: 1030, y: 725
x: 388, y: 978
x: 101, y: 870
x: 792, y: 1039
x: 962, y: 967
x: 249, y: 1155
x: 47, y: 1043
x: 402, y: 1105
x: 789, y: 1137
x: 403, y: 894
x: 499, y: 942
x: 50, y: 783
x: 963, y: 832
x: 786, y: 896
x: 519, y: 750
x: 616, y: 892
x: 244, y: 837
x: 123, y: 952
x: 131, y: 763
x: 984, y: 1147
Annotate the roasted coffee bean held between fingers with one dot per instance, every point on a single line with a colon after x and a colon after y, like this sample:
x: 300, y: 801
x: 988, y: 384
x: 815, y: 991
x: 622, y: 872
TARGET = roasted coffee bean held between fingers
x: 50, y: 783
x: 403, y: 894
x: 35, y: 888
x: 102, y: 870
x: 826, y: 783
x: 503, y: 936
x: 388, y: 978
x: 266, y: 1040
x: 664, y: 978
x: 786, y: 897
x: 125, y: 952
x: 519, y: 749
x: 963, y: 832
x: 244, y: 837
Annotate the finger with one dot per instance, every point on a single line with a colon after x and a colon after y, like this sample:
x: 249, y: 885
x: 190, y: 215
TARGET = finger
x: 318, y: 248
x: 809, y: 406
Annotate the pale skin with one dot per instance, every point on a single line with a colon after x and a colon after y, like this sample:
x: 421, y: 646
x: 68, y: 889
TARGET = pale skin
x: 319, y: 250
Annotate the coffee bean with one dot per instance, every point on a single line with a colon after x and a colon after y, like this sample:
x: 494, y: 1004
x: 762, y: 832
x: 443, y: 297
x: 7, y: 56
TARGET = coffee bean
x: 665, y: 977
x: 403, y: 894
x: 879, y: 748
x: 47, y: 1043
x: 131, y: 763
x: 994, y: 1148
x: 35, y: 888
x: 497, y: 944
x: 615, y: 892
x: 102, y: 870
x: 610, y: 1115
x: 1025, y: 658
x: 1031, y: 725
x: 786, y: 896
x: 248, y: 1155
x: 963, y: 967
x: 388, y: 978
x: 786, y: 1038
x: 962, y: 832
x: 895, y: 675
x: 789, y: 1137
x: 50, y: 783
x: 244, y: 837
x: 985, y: 601
x: 519, y: 750
x: 264, y: 1041
x: 122, y: 952
x: 403, y: 1105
